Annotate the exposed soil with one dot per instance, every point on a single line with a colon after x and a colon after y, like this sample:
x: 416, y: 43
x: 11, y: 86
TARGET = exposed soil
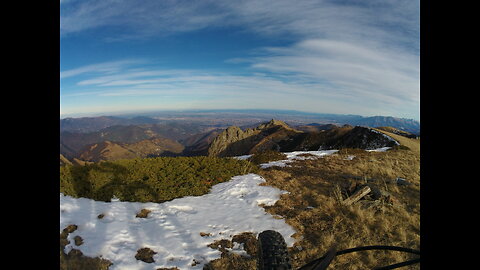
x: 229, y: 260
x: 143, y: 213
x: 145, y: 255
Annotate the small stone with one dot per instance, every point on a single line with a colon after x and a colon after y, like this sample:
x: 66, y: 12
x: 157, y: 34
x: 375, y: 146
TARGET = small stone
x: 143, y: 213
x: 203, y: 234
x: 70, y: 228
x: 402, y: 182
x: 145, y: 255
x: 78, y: 240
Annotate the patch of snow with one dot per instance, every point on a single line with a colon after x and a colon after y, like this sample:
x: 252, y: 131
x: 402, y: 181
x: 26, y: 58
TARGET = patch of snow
x: 292, y: 156
x: 386, y: 136
x: 381, y: 149
x: 320, y: 153
x: 244, y: 157
x: 172, y: 229
x: 238, y: 249
x: 349, y: 157
x: 278, y: 163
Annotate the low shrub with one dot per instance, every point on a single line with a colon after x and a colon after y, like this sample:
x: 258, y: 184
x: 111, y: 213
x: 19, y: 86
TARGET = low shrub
x: 149, y: 180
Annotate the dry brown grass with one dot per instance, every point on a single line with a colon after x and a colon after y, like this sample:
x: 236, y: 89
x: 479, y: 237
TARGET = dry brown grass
x: 313, y: 206
x: 413, y: 144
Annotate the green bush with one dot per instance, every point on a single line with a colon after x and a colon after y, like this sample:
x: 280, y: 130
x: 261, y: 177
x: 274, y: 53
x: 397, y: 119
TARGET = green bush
x: 150, y: 180
x: 267, y: 156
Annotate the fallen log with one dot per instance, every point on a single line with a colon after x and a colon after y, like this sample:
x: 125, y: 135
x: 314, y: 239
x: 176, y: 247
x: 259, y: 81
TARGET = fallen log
x: 357, y: 195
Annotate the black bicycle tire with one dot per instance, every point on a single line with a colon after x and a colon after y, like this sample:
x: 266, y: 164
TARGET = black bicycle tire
x: 272, y: 251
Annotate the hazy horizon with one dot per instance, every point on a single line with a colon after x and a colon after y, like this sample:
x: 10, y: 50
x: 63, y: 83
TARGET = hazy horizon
x: 152, y: 113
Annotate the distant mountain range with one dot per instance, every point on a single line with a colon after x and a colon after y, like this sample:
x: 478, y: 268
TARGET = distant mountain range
x: 110, y: 138
x: 90, y: 124
x: 73, y: 143
x: 225, y: 118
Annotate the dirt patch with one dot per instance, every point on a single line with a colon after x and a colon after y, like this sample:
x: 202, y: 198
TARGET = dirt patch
x: 78, y: 240
x: 221, y: 245
x: 230, y: 260
x: 249, y: 242
x: 145, y: 255
x: 143, y: 213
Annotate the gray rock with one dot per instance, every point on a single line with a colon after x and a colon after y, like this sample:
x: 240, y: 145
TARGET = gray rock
x: 402, y: 181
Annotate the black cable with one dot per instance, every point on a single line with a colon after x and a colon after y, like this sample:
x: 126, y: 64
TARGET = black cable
x: 328, y: 258
x: 316, y: 262
x: 402, y: 249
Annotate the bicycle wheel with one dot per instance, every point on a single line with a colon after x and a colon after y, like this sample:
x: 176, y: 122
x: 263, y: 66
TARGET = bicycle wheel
x: 272, y: 251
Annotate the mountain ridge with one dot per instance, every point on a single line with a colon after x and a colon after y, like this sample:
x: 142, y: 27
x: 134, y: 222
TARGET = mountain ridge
x: 278, y: 136
x: 209, y: 138
x: 108, y: 150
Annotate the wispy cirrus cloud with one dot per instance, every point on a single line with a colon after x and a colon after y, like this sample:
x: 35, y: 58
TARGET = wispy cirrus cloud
x: 356, y: 71
x: 99, y: 68
x: 361, y: 56
x: 139, y: 20
x: 308, y: 91
x: 367, y: 20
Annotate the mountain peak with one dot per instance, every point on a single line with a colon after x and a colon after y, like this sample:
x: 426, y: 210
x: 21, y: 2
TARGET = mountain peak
x: 273, y: 123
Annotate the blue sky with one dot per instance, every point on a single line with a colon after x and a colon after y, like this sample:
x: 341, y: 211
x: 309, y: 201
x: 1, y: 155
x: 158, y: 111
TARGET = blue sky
x: 346, y: 57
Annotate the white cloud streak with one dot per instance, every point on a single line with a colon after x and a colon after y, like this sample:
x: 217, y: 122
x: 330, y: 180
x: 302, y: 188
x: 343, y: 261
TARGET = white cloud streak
x: 356, y: 70
x: 368, y: 20
x: 361, y: 54
x: 219, y: 89
x: 103, y: 68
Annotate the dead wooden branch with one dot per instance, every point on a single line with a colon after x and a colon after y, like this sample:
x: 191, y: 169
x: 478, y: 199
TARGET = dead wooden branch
x: 357, y: 195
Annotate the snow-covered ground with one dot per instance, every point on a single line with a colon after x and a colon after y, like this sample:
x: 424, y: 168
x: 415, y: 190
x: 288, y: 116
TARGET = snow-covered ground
x: 381, y: 149
x: 292, y: 156
x: 172, y: 229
